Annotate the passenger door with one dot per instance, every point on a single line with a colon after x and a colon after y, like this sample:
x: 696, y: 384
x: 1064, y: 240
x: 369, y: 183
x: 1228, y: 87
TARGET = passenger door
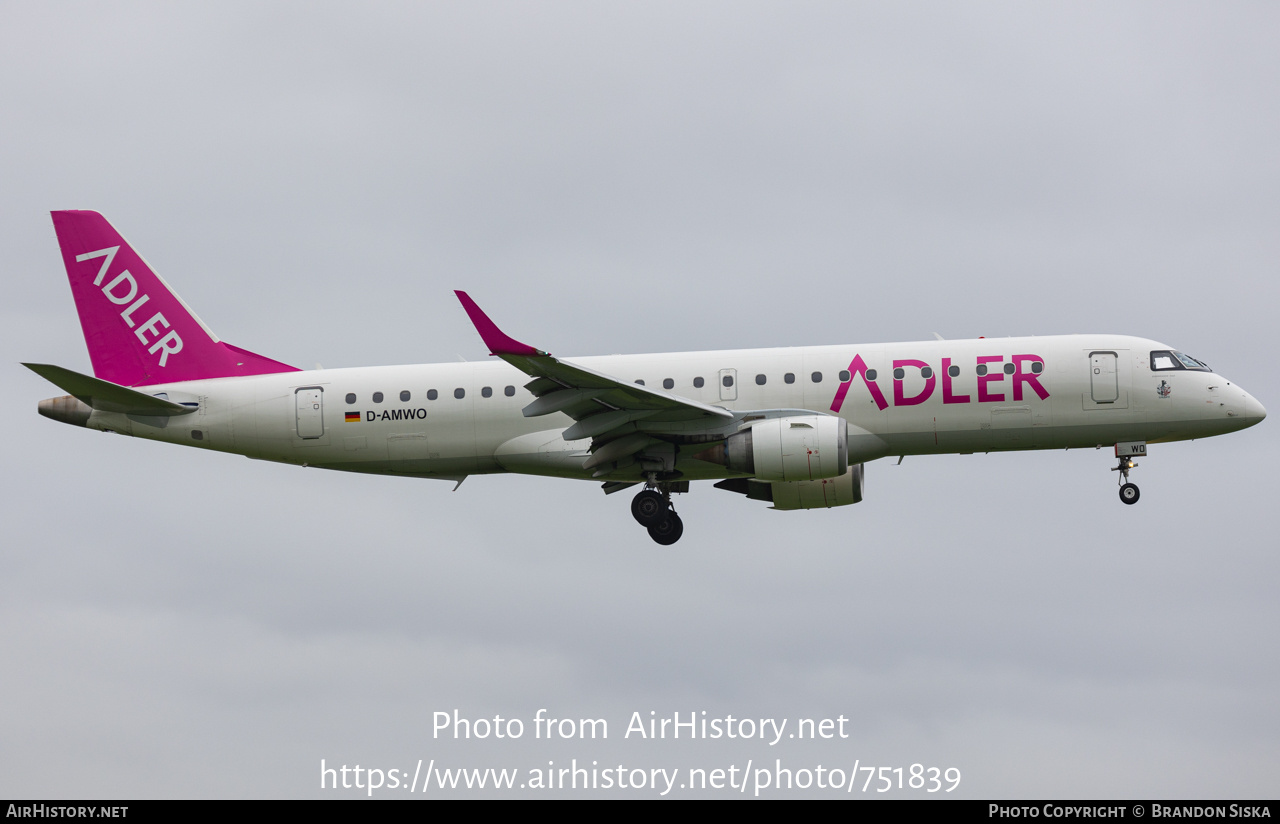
x: 309, y: 407
x: 1102, y: 377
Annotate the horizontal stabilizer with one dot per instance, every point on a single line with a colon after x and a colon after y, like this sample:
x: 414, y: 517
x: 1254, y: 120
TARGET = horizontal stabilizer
x: 106, y: 396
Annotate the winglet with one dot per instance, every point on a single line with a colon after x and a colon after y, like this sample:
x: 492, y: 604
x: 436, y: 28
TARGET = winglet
x: 494, y: 338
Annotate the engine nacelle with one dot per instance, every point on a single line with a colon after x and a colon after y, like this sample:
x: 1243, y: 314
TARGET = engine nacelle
x: 796, y: 448
x: 820, y: 494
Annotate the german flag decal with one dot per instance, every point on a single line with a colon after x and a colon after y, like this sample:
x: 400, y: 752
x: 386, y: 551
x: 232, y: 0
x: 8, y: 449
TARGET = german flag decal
x: 353, y: 417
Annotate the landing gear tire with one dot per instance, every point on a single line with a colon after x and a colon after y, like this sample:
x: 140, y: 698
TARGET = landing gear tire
x: 1128, y: 491
x: 649, y: 508
x: 668, y: 530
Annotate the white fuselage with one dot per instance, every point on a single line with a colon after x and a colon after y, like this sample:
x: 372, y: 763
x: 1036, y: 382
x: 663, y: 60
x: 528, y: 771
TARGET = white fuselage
x: 459, y: 419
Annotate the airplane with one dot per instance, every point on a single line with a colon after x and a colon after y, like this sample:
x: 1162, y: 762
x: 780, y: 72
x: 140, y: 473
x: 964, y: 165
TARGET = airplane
x: 792, y: 427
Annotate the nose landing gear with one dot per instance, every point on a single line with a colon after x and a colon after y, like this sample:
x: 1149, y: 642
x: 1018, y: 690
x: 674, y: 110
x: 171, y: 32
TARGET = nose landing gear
x: 652, y: 509
x: 1128, y: 491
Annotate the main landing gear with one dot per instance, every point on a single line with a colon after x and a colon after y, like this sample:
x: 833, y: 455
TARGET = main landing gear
x: 652, y: 510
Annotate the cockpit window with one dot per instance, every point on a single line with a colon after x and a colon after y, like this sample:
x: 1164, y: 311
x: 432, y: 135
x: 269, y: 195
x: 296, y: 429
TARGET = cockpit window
x: 1163, y: 360
x: 1192, y: 363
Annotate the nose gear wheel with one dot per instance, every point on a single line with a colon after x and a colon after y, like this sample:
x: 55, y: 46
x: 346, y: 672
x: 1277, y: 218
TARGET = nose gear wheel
x: 1128, y: 491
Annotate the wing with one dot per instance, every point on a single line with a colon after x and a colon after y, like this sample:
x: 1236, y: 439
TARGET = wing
x: 603, y: 408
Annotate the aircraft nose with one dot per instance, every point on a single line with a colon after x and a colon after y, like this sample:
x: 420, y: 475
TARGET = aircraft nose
x: 1253, y: 410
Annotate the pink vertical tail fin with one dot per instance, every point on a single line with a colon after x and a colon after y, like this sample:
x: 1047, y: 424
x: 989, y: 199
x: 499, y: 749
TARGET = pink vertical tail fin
x: 138, y: 331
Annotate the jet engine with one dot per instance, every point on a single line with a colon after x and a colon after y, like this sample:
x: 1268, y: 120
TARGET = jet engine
x: 795, y: 448
x: 822, y: 493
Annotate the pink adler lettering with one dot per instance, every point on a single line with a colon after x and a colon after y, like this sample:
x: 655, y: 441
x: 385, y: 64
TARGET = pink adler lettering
x: 947, y: 395
x: 858, y: 368
x: 991, y: 377
x: 899, y: 397
x: 1019, y: 377
x: 1022, y: 378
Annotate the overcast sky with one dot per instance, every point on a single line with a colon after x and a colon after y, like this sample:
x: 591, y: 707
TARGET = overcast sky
x: 315, y: 178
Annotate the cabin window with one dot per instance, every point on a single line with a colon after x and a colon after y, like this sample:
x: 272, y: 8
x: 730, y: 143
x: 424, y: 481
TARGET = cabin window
x: 760, y: 379
x: 377, y: 397
x: 1008, y: 368
x: 1037, y: 367
x: 790, y: 377
x: 926, y: 372
x: 432, y: 394
x: 698, y: 383
x: 640, y: 382
x: 953, y: 371
x: 667, y: 383
x: 351, y: 397
x: 871, y: 374
x: 459, y: 393
x: 899, y: 373
x: 404, y: 395
x: 727, y: 380
x: 486, y: 392
x: 510, y: 391
x: 981, y: 370
x: 844, y: 375
x: 816, y: 377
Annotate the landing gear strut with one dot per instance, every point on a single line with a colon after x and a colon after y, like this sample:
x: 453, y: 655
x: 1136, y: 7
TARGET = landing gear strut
x: 1126, y: 451
x: 1128, y: 492
x: 652, y: 509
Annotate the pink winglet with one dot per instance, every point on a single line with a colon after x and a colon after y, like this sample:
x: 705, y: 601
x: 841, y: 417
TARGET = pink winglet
x: 138, y: 331
x: 493, y: 337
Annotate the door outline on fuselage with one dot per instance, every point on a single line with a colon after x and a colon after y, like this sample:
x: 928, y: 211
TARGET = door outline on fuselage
x: 308, y: 405
x: 1104, y: 377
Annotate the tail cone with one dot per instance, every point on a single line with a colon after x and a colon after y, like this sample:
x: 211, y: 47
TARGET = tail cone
x: 66, y: 410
